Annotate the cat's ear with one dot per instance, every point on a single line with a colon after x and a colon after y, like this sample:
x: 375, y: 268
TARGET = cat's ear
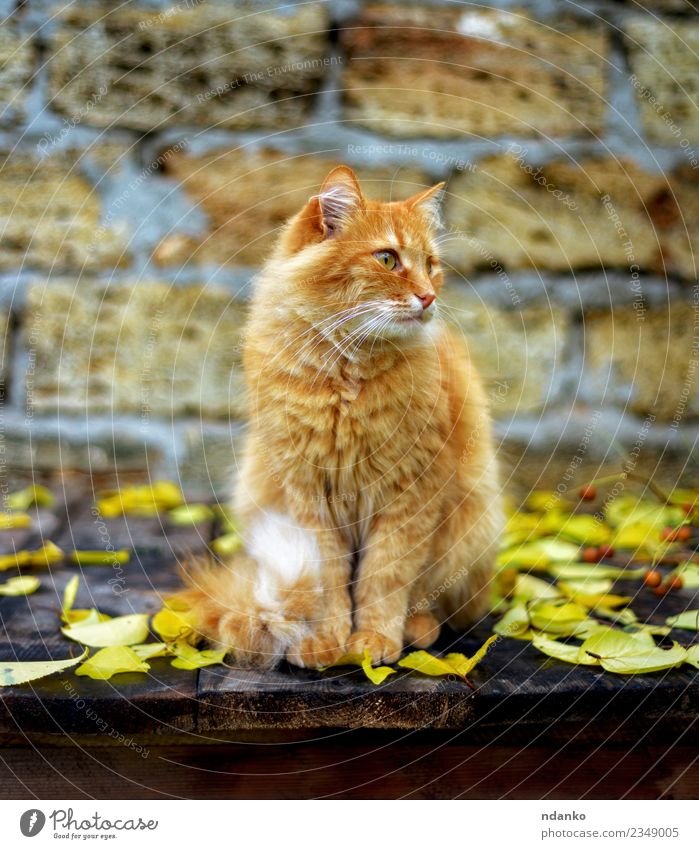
x: 429, y: 201
x: 340, y: 199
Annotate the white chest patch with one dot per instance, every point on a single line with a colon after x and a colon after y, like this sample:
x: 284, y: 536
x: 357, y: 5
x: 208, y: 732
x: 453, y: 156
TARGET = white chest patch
x: 282, y: 549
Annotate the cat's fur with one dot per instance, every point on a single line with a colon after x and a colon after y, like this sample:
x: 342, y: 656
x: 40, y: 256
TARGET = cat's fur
x: 368, y: 497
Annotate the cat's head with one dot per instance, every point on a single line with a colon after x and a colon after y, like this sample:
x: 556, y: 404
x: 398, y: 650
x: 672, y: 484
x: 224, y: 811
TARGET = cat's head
x: 364, y: 267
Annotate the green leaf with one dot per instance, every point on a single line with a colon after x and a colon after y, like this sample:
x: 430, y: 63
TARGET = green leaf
x: 562, y: 651
x: 24, y: 585
x: 581, y: 571
x: 688, y: 619
x: 29, y: 670
x: 70, y: 593
x: 112, y: 661
x: 25, y: 498
x: 515, y: 623
x: 528, y: 587
x: 689, y: 573
x: 148, y: 650
x: 120, y: 631
x: 539, y: 554
x: 693, y: 656
x: 564, y: 619
x: 190, y: 514
x: 652, y: 660
x: 187, y: 657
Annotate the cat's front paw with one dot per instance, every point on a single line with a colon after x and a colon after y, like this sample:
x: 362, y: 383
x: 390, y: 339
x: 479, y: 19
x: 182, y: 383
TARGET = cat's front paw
x: 382, y: 649
x: 319, y: 649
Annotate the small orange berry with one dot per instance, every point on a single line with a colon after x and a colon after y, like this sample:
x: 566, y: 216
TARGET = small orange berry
x: 652, y: 578
x: 588, y: 492
x: 605, y: 551
x: 683, y: 533
x: 674, y: 583
x: 591, y: 555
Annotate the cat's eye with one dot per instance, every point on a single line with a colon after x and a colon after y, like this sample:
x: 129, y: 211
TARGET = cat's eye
x: 388, y: 259
x: 430, y: 265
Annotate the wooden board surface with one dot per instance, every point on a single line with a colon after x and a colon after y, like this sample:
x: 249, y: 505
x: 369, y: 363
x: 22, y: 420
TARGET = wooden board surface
x: 519, y: 693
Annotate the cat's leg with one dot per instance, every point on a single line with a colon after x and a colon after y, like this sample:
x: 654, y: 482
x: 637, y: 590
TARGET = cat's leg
x: 294, y: 555
x: 330, y: 627
x: 397, y: 550
x: 459, y: 581
x: 421, y: 629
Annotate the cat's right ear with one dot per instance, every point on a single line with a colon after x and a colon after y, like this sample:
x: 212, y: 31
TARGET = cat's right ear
x: 339, y: 200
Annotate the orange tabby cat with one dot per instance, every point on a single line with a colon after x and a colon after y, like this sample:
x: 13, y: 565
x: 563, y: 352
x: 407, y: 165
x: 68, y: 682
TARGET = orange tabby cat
x: 368, y: 499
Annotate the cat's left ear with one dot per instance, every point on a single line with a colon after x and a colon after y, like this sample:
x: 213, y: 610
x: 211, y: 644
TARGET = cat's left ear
x: 340, y: 199
x: 429, y: 202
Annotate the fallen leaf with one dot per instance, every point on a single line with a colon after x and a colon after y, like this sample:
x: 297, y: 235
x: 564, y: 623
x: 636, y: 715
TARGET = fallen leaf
x: 578, y: 571
x: 452, y: 664
x: 227, y: 544
x: 148, y: 650
x: 688, y: 619
x: 564, y: 619
x: 190, y: 514
x: 9, y: 521
x: 376, y: 674
x: 539, y: 554
x: 24, y: 585
x: 528, y: 588
x: 187, y: 657
x: 172, y: 624
x: 689, y: 575
x: 101, y: 558
x: 515, y: 623
x: 112, y: 661
x: 562, y: 651
x: 628, y: 653
x: 25, y: 498
x: 47, y: 554
x: 70, y: 593
x: 120, y: 631
x: 693, y: 656
x: 30, y: 670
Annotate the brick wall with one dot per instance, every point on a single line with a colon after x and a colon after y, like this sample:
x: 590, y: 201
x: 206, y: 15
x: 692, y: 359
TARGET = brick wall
x: 149, y: 152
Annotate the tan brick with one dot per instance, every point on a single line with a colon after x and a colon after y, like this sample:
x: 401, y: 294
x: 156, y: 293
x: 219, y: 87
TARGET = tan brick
x: 648, y: 366
x: 421, y: 71
x: 142, y: 348
x: 166, y: 67
x: 16, y: 66
x: 555, y: 217
x: 518, y: 353
x: 663, y: 58
x: 248, y: 197
x: 50, y: 217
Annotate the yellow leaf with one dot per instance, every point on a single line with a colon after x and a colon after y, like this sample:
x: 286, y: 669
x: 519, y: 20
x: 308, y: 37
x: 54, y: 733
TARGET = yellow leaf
x: 145, y: 500
x: 652, y: 660
x: 688, y: 619
x: 148, y: 650
x: 190, y: 514
x: 583, y: 529
x: 592, y: 600
x: 528, y: 587
x: 84, y: 615
x: 172, y: 624
x: 227, y: 519
x: 628, y: 510
x: 187, y: 657
x: 112, y: 661
x: 539, y: 554
x: 120, y: 631
x: 580, y: 571
x: 609, y: 642
x: 693, y: 656
x: 28, y: 670
x: 589, y: 585
x: 376, y: 674
x: 543, y: 500
x: 44, y: 556
x: 564, y: 619
x: 562, y: 651
x: 515, y: 623
x: 227, y: 544
x: 24, y: 585
x: 101, y: 558
x: 453, y: 664
x: 639, y: 537
x: 69, y: 595
x: 25, y: 498
x: 9, y: 521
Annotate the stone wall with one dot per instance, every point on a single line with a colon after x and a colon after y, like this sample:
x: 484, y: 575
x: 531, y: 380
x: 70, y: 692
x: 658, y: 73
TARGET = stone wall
x: 149, y: 152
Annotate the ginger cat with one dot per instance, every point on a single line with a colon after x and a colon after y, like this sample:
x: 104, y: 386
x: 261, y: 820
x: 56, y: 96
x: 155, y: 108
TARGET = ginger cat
x: 368, y: 498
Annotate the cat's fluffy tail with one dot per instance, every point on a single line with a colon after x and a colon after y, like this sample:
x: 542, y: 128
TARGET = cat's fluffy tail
x: 235, y: 608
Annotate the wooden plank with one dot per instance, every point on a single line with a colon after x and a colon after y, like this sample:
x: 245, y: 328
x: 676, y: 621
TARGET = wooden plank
x: 354, y: 765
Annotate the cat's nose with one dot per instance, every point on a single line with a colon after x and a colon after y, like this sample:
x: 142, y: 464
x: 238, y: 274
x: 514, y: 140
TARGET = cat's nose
x: 426, y: 299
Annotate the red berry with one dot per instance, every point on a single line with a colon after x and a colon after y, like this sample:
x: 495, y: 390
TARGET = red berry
x: 652, y: 578
x: 605, y: 551
x: 684, y: 533
x: 674, y: 583
x: 667, y: 533
x: 661, y: 590
x: 591, y: 555
x: 688, y: 508
x: 588, y: 492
